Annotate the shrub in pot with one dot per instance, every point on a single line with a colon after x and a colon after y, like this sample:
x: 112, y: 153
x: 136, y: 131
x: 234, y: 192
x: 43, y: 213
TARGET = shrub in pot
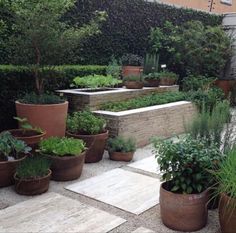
x: 168, y: 78
x: 132, y: 65
x: 184, y: 194
x: 121, y: 149
x: 12, y: 151
x: 152, y: 80
x: 133, y: 82
x: 32, y: 176
x: 91, y: 129
x: 67, y: 157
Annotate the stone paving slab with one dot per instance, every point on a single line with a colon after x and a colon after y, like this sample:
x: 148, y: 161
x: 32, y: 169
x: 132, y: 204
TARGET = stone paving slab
x: 143, y: 230
x: 3, y: 205
x: 53, y: 212
x: 123, y: 189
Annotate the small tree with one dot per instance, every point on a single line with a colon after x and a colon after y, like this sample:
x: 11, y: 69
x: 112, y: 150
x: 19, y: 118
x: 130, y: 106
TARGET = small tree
x: 40, y: 38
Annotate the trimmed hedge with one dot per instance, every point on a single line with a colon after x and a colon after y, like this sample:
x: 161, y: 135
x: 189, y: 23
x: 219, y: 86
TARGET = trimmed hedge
x: 17, y: 80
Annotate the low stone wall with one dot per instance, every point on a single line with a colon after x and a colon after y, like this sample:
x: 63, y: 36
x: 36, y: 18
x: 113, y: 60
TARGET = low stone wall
x: 164, y: 121
x: 78, y: 100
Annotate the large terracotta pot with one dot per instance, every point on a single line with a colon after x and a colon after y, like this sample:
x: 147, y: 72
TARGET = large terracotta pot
x: 166, y: 81
x: 225, y: 85
x: 49, y: 117
x: 67, y: 168
x: 131, y: 70
x: 32, y: 186
x: 134, y: 84
x: 95, y: 144
x: 121, y: 156
x: 7, y: 171
x: 29, y: 136
x: 227, y: 214
x: 183, y: 212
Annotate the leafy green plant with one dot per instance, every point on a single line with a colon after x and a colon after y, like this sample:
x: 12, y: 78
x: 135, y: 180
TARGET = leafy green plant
x: 133, y: 78
x: 151, y: 63
x: 120, y: 144
x: 33, y: 167
x: 25, y: 125
x: 131, y: 60
x: 168, y: 74
x: 61, y: 146
x: 152, y: 76
x: 114, y: 68
x: 85, y: 122
x: 96, y: 81
x: 185, y: 165
x: 144, y: 101
x: 11, y: 148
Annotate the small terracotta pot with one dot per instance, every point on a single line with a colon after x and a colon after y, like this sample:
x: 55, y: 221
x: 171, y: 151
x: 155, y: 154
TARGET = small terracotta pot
x: 29, y: 136
x: 152, y: 83
x: 166, y: 81
x: 95, y: 144
x: 32, y: 186
x: 227, y: 214
x: 134, y: 84
x: 7, y: 171
x: 121, y: 156
x: 49, y: 117
x: 67, y: 168
x: 225, y: 85
x: 183, y: 212
x: 131, y: 70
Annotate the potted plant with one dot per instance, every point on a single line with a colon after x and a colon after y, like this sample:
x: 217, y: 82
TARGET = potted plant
x: 27, y: 133
x: 121, y: 149
x: 41, y: 39
x: 132, y: 64
x: 32, y: 176
x: 168, y: 78
x: 152, y: 80
x: 12, y: 151
x: 226, y: 187
x: 66, y: 155
x: 184, y: 194
x: 92, y: 130
x: 133, y: 82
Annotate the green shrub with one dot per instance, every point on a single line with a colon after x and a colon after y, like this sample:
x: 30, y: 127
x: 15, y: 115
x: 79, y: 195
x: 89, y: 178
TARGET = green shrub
x: 114, y: 68
x: 120, y: 144
x: 145, y: 101
x: 131, y: 60
x: 96, y: 81
x: 33, y: 167
x: 184, y: 165
x: 132, y: 78
x: 152, y: 76
x: 61, y: 146
x: 85, y: 122
x: 151, y: 63
x: 168, y: 74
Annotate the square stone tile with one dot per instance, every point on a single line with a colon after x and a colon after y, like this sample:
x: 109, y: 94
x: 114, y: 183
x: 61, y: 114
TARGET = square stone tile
x: 52, y: 212
x: 143, y: 230
x: 123, y: 189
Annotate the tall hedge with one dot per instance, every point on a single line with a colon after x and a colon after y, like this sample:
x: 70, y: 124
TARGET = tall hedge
x: 128, y: 26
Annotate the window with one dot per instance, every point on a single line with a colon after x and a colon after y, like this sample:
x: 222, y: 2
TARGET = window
x: 228, y: 2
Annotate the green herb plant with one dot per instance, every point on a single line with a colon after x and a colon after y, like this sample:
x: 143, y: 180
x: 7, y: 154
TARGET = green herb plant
x: 25, y: 125
x: 131, y: 60
x: 152, y: 76
x: 120, y: 144
x: 168, y: 74
x: 114, y: 68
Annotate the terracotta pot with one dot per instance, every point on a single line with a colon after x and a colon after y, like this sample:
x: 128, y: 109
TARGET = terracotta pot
x: 7, y: 171
x: 165, y: 81
x: 95, y: 144
x: 121, y: 156
x: 29, y: 136
x: 134, y: 84
x: 225, y: 85
x: 131, y: 70
x: 183, y: 212
x: 49, y: 117
x: 67, y: 168
x: 32, y: 186
x: 152, y: 83
x: 227, y: 214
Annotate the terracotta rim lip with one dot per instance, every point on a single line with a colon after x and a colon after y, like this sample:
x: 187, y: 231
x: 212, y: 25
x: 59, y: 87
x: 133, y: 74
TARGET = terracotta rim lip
x: 13, y: 161
x: 29, y: 137
x: 179, y: 194
x: 41, y: 105
x: 40, y: 178
x: 87, y: 135
x: 66, y: 157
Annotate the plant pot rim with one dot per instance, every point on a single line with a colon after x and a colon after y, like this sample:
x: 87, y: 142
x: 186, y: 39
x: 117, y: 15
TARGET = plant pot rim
x: 65, y: 157
x: 40, y: 105
x: 13, y: 161
x: 86, y: 135
x: 28, y: 180
x: 28, y: 137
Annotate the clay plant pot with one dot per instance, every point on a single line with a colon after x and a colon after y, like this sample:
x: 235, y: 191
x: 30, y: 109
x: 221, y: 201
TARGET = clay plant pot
x: 66, y: 168
x: 29, y: 136
x: 227, y: 214
x: 183, y: 212
x: 134, y: 84
x: 166, y: 81
x: 152, y: 83
x: 225, y: 85
x: 131, y: 70
x: 95, y: 144
x: 7, y: 171
x: 51, y: 118
x: 32, y: 186
x: 121, y: 156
